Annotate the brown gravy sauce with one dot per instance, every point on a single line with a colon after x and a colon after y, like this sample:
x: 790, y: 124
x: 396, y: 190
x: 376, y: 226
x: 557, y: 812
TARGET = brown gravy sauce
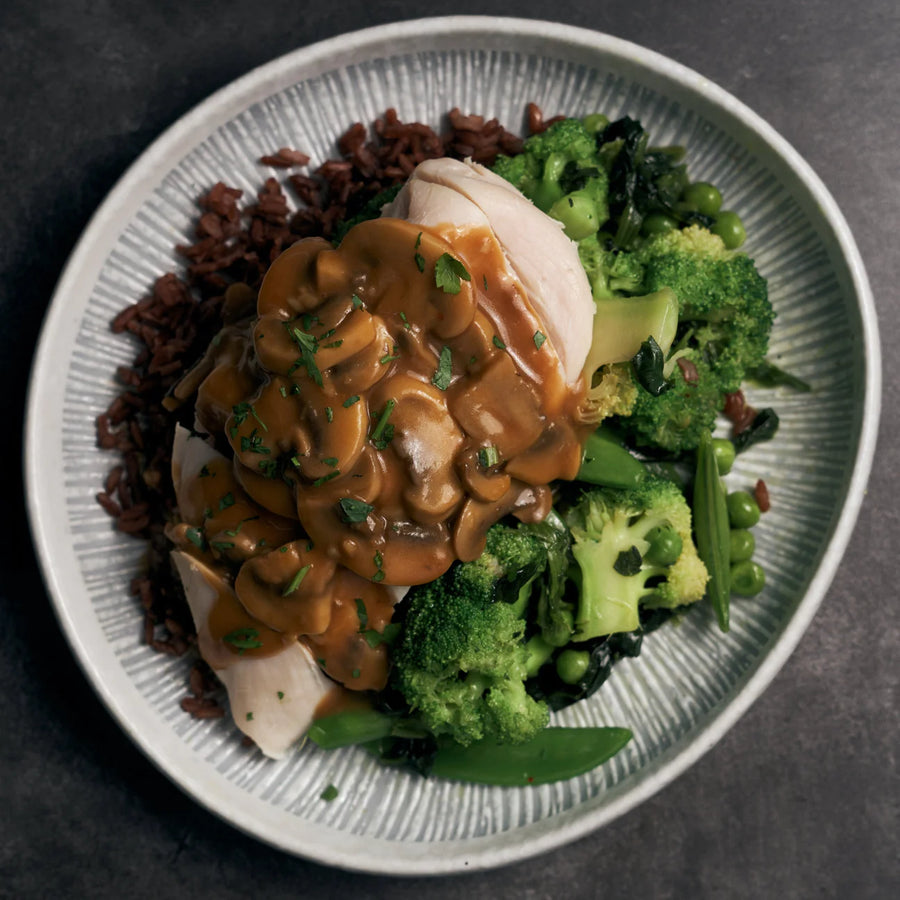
x: 379, y: 425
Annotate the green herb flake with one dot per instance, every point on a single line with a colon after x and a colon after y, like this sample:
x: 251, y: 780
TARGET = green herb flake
x: 283, y: 391
x: 488, y: 456
x: 378, y: 576
x: 350, y: 401
x: 295, y: 581
x: 195, y: 536
x: 222, y: 546
x: 383, y: 433
x: 253, y: 444
x: 539, y: 338
x: 249, y: 716
x: 330, y: 461
x: 405, y: 321
x: 226, y: 501
x: 308, y: 346
x: 329, y: 794
x: 361, y: 613
x: 353, y: 511
x: 329, y: 414
x: 326, y: 478
x: 417, y: 257
x: 283, y: 549
x: 205, y: 473
x: 355, y: 302
x: 295, y: 462
x: 281, y: 695
x: 269, y: 467
x: 484, y: 281
x: 443, y: 374
x: 388, y: 357
x: 390, y: 634
x: 355, y: 673
x: 448, y: 271
x: 243, y: 639
x: 498, y: 343
x: 333, y: 344
x: 378, y: 559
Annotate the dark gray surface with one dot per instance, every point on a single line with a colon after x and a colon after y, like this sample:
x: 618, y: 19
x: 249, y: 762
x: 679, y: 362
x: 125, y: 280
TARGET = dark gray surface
x: 800, y: 799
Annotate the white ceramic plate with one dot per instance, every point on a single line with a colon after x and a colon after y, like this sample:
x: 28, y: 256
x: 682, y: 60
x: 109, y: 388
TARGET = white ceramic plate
x: 691, y: 683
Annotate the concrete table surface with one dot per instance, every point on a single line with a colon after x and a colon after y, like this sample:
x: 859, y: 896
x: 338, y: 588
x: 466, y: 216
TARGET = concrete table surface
x: 800, y: 799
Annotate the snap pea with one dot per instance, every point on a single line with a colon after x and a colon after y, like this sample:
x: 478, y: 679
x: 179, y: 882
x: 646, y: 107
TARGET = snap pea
x: 609, y: 464
x: 350, y: 727
x: 553, y: 755
x: 712, y: 529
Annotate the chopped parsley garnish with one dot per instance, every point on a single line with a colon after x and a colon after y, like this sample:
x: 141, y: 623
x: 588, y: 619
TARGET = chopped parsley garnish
x: 488, y: 456
x: 419, y: 259
x: 249, y: 716
x: 361, y: 613
x: 283, y: 391
x: 378, y: 559
x: 234, y: 532
x: 388, y: 357
x: 295, y: 462
x: 405, y: 321
x: 383, y: 433
x: 295, y: 581
x: 498, y: 343
x: 356, y: 302
x: 375, y: 639
x: 355, y: 673
x: 281, y: 695
x: 330, y: 461
x: 222, y: 546
x: 484, y: 281
x: 269, y: 467
x: 242, y: 410
x: 329, y: 793
x: 253, y: 444
x: 308, y: 346
x: 325, y: 478
x: 329, y: 413
x: 205, y: 473
x: 333, y: 344
x: 539, y: 338
x: 243, y: 639
x: 353, y: 510
x: 448, y: 271
x: 226, y: 501
x: 350, y: 401
x: 195, y: 536
x: 443, y: 374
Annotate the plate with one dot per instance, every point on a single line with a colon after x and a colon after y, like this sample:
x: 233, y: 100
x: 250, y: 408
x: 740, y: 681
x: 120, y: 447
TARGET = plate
x: 691, y: 682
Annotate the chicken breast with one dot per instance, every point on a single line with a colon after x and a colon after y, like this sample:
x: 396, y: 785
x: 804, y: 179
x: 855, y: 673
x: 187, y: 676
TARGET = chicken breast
x: 444, y: 193
x: 273, y: 698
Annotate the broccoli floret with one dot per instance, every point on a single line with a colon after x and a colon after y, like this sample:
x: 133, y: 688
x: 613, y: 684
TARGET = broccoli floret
x: 724, y: 319
x: 632, y: 548
x: 560, y: 171
x: 461, y: 661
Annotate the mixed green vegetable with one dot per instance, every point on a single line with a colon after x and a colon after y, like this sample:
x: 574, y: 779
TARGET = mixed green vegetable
x: 485, y: 653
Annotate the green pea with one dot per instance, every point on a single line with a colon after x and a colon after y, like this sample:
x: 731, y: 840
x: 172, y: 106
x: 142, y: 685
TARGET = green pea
x: 730, y: 228
x: 747, y: 578
x: 658, y: 223
x: 578, y: 213
x: 595, y: 122
x: 704, y: 197
x: 571, y: 665
x: 743, y: 511
x: 743, y: 544
x: 725, y: 453
x: 665, y: 545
